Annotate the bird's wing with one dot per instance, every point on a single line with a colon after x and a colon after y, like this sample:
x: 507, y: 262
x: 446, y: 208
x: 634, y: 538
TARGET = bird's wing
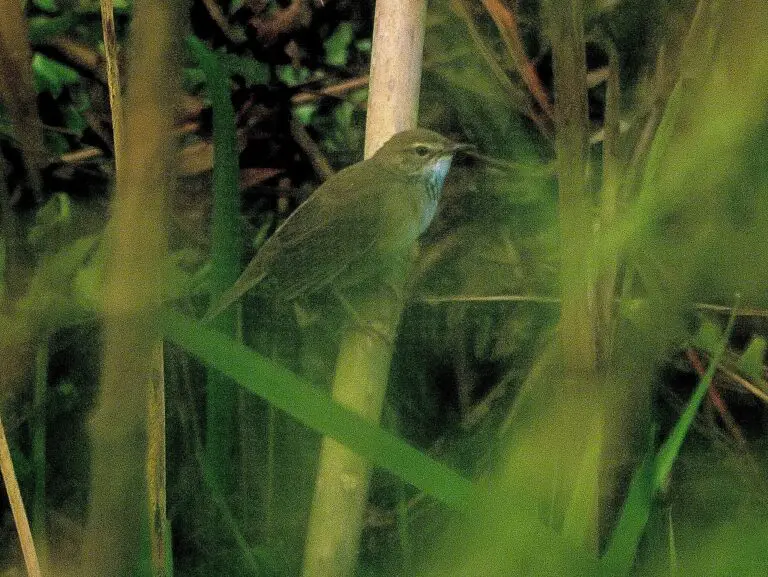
x: 339, y: 225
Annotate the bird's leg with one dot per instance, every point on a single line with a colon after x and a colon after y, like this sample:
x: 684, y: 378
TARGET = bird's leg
x: 396, y: 279
x: 375, y: 328
x: 395, y: 288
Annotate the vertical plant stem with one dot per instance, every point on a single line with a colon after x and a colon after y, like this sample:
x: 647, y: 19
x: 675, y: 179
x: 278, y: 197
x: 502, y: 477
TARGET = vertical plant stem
x: 612, y: 169
x: 113, y: 77
x: 38, y: 445
x: 341, y: 490
x: 577, y: 400
x: 226, y: 252
x: 13, y: 280
x: 362, y: 367
x: 395, y: 79
x: 17, y: 507
x: 156, y: 473
x: 118, y: 427
x: 17, y: 91
x: 578, y: 327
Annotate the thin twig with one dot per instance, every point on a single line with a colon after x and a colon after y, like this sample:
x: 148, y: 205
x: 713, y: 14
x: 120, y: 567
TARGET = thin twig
x: 216, y: 14
x: 533, y: 170
x: 708, y: 307
x: 316, y: 157
x: 716, y: 399
x: 745, y: 384
x: 113, y: 78
x: 17, y: 507
x: 335, y: 90
x: 506, y: 22
x: 282, y: 21
x: 435, y: 300
x: 515, y: 93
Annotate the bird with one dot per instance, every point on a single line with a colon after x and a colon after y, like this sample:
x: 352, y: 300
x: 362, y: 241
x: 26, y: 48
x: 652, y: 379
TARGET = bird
x: 354, y: 225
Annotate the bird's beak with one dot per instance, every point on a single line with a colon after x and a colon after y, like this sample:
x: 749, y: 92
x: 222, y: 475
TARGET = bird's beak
x: 458, y: 147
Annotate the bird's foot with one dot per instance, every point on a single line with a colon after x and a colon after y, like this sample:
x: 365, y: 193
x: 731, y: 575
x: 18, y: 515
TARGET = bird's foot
x: 375, y: 328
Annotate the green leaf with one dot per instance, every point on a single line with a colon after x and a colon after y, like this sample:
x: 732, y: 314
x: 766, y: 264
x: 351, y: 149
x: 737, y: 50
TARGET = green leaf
x: 52, y: 76
x: 635, y: 512
x: 751, y: 361
x: 49, y: 298
x: 653, y: 472
x: 315, y: 409
x: 193, y: 78
x: 337, y: 45
x: 291, y: 76
x: 57, y: 142
x: 364, y: 45
x: 46, y: 5
x: 305, y: 113
x: 253, y: 71
x: 41, y: 28
x: 55, y: 213
x: 226, y: 236
x: 708, y: 337
x: 74, y: 120
x: 344, y: 114
x: 358, y: 96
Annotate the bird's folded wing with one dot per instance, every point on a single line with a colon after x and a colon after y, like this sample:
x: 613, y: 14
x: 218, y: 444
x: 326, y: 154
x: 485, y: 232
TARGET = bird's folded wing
x: 338, y: 228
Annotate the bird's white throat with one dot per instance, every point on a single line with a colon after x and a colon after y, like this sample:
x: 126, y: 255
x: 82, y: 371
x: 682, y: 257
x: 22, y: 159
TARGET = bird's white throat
x: 437, y: 171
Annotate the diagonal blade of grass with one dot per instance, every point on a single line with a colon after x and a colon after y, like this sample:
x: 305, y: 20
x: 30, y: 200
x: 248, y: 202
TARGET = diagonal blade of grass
x: 671, y: 447
x: 620, y: 553
x: 295, y: 396
x: 650, y: 476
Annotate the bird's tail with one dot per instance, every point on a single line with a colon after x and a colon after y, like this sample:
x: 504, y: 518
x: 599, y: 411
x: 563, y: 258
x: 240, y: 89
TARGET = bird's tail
x: 228, y: 298
x: 219, y: 306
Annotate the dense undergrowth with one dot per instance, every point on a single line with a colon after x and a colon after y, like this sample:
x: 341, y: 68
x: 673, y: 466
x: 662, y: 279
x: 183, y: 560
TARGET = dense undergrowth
x: 492, y: 457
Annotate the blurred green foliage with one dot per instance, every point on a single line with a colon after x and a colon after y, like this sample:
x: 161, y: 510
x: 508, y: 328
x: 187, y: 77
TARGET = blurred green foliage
x: 692, y: 144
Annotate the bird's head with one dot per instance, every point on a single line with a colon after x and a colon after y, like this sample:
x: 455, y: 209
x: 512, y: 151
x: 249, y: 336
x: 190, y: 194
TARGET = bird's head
x: 420, y: 153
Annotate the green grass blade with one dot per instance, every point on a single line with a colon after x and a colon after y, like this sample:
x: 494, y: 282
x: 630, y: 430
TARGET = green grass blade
x: 226, y: 255
x: 226, y: 237
x: 671, y: 447
x: 673, y: 571
x: 651, y: 474
x: 622, y: 546
x: 310, y: 406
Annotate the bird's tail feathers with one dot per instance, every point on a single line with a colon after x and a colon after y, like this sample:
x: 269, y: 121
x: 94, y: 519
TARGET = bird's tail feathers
x: 228, y: 297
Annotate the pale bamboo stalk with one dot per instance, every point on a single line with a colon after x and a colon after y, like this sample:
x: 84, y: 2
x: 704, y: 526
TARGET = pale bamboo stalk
x: 395, y: 79
x: 17, y: 507
x: 362, y: 368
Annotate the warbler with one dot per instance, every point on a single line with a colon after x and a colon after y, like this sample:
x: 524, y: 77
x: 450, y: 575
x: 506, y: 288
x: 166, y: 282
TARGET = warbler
x: 354, y: 224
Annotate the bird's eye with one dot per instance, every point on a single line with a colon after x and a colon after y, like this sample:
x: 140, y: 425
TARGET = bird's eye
x: 421, y: 150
